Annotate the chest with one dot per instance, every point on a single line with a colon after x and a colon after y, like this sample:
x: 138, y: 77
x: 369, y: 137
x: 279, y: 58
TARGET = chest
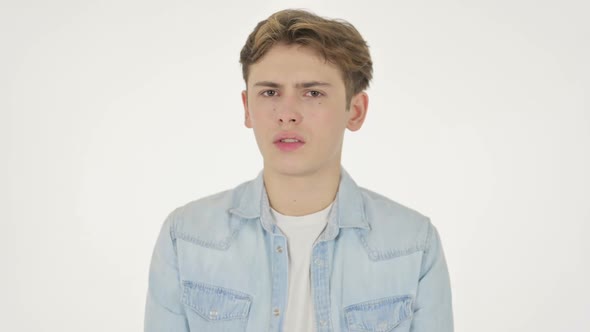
x: 246, y: 286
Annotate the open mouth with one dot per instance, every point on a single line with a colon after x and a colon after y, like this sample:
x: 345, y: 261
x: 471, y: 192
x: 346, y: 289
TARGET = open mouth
x: 288, y: 142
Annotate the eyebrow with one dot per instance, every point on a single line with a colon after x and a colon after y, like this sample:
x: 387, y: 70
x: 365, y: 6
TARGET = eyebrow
x: 270, y: 84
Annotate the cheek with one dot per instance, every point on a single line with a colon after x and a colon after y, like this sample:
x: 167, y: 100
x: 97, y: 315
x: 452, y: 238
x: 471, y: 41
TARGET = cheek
x: 261, y: 123
x: 331, y: 129
x: 332, y: 115
x: 262, y: 111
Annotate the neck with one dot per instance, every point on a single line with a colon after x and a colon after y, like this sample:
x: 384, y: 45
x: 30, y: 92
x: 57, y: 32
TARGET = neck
x: 299, y: 195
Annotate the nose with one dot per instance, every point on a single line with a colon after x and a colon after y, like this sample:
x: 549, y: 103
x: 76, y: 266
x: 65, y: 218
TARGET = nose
x: 288, y: 112
x: 285, y: 117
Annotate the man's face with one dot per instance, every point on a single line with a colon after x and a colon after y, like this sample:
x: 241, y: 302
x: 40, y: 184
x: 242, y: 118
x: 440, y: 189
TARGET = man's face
x: 296, y: 104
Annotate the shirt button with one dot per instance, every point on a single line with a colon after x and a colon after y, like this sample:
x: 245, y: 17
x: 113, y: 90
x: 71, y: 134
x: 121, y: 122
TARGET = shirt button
x: 279, y: 249
x: 323, y: 322
x: 318, y: 262
x: 276, y: 312
x: 213, y: 314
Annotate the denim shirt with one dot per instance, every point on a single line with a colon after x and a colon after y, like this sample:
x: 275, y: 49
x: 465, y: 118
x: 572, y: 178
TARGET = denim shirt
x: 221, y: 264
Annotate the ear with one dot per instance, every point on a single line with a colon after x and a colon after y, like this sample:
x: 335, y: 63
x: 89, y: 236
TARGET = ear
x: 357, y: 111
x: 247, y: 119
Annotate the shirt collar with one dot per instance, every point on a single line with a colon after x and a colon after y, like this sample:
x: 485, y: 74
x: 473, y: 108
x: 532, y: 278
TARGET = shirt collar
x: 348, y: 211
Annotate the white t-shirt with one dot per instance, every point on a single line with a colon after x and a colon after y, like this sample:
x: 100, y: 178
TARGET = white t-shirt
x: 301, y: 233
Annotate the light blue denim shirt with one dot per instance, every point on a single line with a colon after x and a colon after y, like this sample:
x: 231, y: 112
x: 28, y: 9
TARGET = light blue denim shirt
x: 221, y: 264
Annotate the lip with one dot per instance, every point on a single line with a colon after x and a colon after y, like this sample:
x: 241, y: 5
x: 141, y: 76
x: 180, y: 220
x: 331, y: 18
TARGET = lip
x: 287, y: 147
x: 279, y: 137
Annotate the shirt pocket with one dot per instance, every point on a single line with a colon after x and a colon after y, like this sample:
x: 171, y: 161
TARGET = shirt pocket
x: 214, y: 308
x: 381, y: 315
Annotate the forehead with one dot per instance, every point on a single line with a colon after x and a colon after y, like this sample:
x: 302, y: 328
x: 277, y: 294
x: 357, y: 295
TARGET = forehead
x: 294, y: 63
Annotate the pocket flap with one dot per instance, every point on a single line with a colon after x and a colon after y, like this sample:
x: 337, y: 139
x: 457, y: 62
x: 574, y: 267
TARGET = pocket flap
x: 216, y: 303
x: 381, y: 315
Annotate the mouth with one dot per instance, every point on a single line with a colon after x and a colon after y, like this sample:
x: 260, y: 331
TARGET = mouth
x: 288, y: 142
x: 288, y: 138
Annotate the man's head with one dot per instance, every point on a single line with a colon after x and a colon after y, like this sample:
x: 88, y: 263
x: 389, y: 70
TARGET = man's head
x: 338, y: 42
x: 305, y: 79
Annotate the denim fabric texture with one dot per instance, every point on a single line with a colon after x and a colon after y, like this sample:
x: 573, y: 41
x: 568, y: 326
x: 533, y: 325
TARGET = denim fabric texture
x: 218, y: 265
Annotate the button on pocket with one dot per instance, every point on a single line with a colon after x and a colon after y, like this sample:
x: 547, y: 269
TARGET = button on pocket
x: 381, y: 315
x: 226, y: 308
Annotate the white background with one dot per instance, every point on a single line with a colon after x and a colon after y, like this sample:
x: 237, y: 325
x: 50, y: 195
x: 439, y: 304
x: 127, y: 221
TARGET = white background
x: 113, y: 113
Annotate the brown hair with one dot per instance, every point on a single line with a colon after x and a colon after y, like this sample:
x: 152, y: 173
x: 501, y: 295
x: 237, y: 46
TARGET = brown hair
x: 336, y: 40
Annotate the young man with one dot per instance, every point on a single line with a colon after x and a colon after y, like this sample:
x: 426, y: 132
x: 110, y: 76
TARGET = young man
x: 301, y: 247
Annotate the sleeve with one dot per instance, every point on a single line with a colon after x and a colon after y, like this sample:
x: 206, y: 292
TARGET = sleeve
x: 433, y: 306
x: 163, y: 309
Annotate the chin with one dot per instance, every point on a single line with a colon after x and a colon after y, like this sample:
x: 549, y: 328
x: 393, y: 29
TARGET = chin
x: 290, y: 169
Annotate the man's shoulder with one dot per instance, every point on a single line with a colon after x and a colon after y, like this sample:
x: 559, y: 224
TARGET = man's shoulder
x: 395, y: 229
x: 206, y: 221
x: 377, y: 203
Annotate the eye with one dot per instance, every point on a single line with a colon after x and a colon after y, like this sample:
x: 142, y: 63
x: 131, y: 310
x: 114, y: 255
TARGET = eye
x: 314, y: 93
x: 269, y: 93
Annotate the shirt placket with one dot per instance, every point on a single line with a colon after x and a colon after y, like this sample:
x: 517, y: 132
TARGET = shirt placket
x: 320, y: 285
x: 280, y: 281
